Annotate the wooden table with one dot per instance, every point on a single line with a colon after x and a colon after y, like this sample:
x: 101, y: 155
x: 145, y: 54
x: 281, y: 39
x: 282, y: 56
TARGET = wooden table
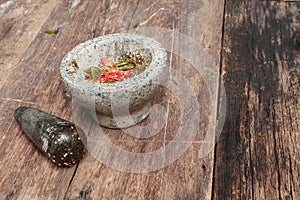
x: 255, y: 45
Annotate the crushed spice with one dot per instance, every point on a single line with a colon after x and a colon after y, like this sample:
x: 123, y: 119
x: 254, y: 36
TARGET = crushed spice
x: 125, y: 66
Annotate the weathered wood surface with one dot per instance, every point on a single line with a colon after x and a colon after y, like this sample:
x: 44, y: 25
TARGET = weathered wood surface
x: 257, y: 155
x: 30, y: 76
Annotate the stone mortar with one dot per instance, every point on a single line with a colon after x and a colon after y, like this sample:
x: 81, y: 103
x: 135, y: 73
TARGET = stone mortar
x: 120, y: 104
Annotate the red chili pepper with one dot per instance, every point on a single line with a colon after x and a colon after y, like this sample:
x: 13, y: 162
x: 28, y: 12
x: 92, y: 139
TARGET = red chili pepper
x: 128, y: 73
x: 88, y: 76
x: 101, y: 79
x: 110, y: 79
x: 114, y: 70
x: 105, y: 74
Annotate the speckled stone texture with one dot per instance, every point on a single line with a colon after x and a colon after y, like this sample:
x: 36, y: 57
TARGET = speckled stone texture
x: 120, y: 104
x: 61, y: 141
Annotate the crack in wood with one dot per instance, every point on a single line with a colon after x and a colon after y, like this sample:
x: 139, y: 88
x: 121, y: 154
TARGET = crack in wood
x: 134, y: 12
x: 218, y: 98
x: 71, y: 180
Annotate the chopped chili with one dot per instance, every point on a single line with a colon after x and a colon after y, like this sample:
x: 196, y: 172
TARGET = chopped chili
x: 125, y: 66
x: 52, y: 31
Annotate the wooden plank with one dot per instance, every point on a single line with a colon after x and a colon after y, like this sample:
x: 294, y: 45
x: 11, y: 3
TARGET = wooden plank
x: 257, y: 156
x: 23, y: 176
x: 189, y: 177
x: 26, y: 173
x: 18, y: 28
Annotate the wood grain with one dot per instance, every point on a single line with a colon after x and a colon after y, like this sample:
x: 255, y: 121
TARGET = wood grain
x: 19, y: 24
x: 34, y: 81
x: 257, y: 156
x: 179, y: 180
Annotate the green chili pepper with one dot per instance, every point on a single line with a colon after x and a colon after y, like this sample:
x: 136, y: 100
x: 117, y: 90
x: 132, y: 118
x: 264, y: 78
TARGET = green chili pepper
x: 143, y: 66
x: 120, y: 64
x: 126, y: 67
x: 88, y: 71
x: 51, y: 31
x: 96, y: 69
x: 107, y: 68
x: 95, y: 72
